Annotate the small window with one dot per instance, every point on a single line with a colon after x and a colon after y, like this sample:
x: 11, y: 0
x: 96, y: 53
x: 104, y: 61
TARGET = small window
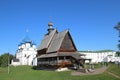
x: 61, y: 57
x: 67, y: 57
x: 25, y: 55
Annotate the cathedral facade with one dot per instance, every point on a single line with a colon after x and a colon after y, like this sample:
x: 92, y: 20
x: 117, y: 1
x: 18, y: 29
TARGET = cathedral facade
x: 26, y: 53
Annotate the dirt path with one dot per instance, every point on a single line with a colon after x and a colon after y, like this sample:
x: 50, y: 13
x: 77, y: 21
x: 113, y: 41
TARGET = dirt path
x: 97, y: 71
x: 112, y: 74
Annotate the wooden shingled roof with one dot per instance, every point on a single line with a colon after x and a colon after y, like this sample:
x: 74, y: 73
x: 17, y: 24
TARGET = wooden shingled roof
x: 46, y: 41
x: 55, y: 40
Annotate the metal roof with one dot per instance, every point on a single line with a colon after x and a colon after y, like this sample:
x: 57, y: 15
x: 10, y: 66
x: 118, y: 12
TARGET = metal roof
x: 26, y: 39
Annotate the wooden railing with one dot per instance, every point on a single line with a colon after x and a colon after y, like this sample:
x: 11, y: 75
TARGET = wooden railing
x: 53, y: 62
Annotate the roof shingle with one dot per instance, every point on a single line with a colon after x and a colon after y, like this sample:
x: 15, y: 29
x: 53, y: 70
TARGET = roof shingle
x: 46, y: 41
x: 57, y: 41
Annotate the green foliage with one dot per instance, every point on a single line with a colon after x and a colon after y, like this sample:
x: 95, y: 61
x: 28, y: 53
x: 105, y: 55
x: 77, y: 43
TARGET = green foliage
x: 4, y: 59
x: 118, y: 46
x: 0, y: 60
x: 117, y: 54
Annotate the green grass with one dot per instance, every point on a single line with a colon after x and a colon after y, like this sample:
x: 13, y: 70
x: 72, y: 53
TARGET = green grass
x: 114, y: 69
x: 27, y: 73
x: 95, y: 65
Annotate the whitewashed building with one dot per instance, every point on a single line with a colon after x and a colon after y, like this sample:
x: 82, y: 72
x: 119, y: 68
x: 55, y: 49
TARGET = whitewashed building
x: 26, y: 53
x: 100, y: 56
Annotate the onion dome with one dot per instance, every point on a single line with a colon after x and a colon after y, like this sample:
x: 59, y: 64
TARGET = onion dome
x: 33, y: 43
x: 50, y: 29
x: 50, y: 24
x: 26, y: 39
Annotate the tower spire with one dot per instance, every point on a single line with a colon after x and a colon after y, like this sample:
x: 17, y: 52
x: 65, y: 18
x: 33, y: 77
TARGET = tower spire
x: 50, y: 25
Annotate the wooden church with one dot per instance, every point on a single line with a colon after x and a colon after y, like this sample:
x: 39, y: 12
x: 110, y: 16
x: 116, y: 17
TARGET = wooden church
x: 57, y: 49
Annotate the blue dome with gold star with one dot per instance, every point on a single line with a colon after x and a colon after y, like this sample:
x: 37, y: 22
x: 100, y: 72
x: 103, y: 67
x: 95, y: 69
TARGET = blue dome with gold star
x: 26, y: 40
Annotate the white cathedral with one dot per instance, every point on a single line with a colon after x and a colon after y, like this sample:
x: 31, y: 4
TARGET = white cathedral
x: 26, y: 53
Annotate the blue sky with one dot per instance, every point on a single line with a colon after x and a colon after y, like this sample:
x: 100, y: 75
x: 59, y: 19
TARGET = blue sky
x: 90, y: 22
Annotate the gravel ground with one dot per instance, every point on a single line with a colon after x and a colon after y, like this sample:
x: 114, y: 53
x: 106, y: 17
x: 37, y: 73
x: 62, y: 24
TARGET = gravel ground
x: 96, y: 71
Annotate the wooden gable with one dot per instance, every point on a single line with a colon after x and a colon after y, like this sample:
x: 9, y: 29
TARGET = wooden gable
x: 67, y: 44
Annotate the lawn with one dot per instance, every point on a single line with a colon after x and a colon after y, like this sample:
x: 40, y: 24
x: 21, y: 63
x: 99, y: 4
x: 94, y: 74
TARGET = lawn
x: 95, y: 65
x: 114, y: 69
x: 27, y: 73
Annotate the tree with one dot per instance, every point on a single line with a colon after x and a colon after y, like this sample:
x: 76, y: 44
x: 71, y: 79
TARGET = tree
x: 118, y: 46
x: 117, y: 27
x: 0, y: 60
x: 4, y: 59
x: 117, y: 54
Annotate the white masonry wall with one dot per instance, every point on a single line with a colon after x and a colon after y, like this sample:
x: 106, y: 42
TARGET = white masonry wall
x: 100, y: 56
x: 26, y: 53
